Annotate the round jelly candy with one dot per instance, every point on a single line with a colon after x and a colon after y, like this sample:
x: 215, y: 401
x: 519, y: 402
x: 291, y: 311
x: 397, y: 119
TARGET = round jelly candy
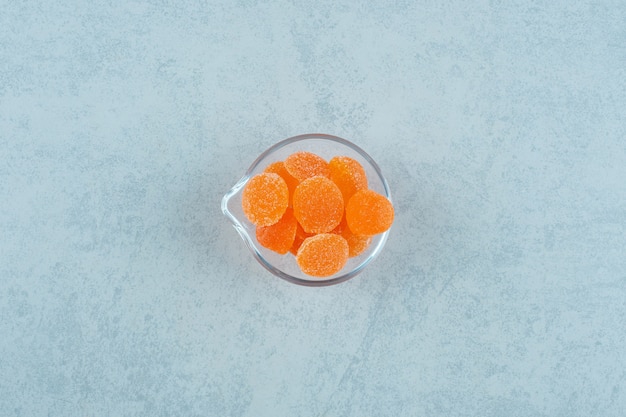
x: 278, y: 237
x: 318, y: 205
x: 265, y: 198
x: 302, y: 165
x: 348, y: 174
x: 322, y: 255
x: 369, y: 213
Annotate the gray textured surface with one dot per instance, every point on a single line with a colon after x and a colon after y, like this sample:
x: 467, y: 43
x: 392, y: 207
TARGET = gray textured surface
x: 500, y: 126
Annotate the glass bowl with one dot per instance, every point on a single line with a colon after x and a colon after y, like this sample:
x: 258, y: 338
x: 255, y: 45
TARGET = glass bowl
x: 285, y: 266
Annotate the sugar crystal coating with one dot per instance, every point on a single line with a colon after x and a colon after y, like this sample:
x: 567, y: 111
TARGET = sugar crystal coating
x: 356, y: 244
x: 279, y: 236
x: 348, y: 174
x: 369, y: 213
x: 302, y: 165
x: 278, y: 167
x: 265, y: 198
x: 318, y: 205
x: 322, y: 255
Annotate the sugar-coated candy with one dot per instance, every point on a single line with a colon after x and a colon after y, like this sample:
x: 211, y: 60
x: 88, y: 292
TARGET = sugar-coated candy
x: 369, y: 213
x: 348, y: 174
x: 356, y: 244
x: 279, y: 236
x: 318, y: 205
x: 322, y: 255
x: 322, y: 212
x: 265, y: 198
x: 302, y: 165
x: 278, y: 167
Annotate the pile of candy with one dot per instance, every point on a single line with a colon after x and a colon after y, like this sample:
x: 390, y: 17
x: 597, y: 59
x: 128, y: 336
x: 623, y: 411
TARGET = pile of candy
x: 321, y: 212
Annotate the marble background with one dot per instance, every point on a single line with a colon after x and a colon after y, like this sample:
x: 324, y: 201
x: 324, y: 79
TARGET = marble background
x: 500, y: 126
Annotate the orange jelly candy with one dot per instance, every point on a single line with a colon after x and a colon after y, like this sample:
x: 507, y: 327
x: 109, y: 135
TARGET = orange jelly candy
x: 300, y: 236
x: 278, y: 167
x: 356, y: 244
x: 322, y: 212
x: 348, y: 174
x: 302, y: 165
x: 322, y: 255
x: 265, y: 198
x: 369, y: 213
x: 318, y: 205
x: 278, y: 237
